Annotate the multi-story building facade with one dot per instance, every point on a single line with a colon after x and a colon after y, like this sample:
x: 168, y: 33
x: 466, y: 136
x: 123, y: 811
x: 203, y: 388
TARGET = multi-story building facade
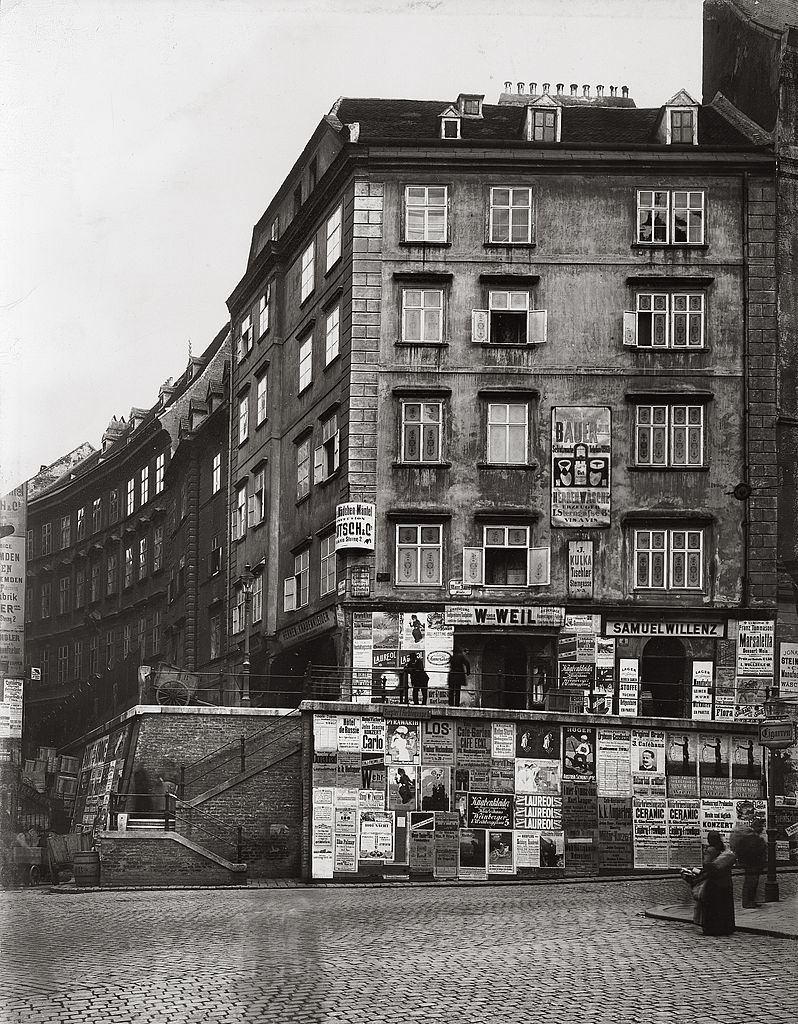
x: 103, y: 543
x: 516, y: 350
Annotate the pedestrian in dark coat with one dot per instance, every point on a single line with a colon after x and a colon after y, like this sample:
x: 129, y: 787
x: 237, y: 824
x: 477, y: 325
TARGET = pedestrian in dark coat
x: 459, y: 668
x: 752, y: 854
x: 419, y: 679
x: 715, y: 909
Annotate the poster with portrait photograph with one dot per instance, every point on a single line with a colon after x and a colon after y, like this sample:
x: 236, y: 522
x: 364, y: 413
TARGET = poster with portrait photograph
x: 681, y: 764
x: 648, y: 762
x: 713, y: 765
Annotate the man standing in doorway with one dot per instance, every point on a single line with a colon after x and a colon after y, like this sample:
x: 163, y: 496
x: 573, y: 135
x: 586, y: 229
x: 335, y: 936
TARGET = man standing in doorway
x: 459, y: 668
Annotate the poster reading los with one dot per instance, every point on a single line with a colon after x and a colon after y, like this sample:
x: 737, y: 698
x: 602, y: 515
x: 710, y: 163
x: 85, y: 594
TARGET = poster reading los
x: 580, y: 466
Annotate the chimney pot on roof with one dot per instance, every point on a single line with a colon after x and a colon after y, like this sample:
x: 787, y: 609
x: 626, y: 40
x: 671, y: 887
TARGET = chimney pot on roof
x: 585, y: 90
x: 533, y: 88
x: 520, y: 88
x: 599, y: 90
x: 613, y: 90
x: 546, y: 87
x: 574, y: 88
x: 624, y: 91
x: 508, y: 86
x: 560, y: 87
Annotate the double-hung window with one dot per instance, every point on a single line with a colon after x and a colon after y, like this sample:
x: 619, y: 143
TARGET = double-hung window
x: 333, y: 238
x: 327, y: 455
x: 215, y: 556
x: 511, y: 215
x: 543, y: 124
x: 157, y: 548
x: 669, y: 435
x: 216, y: 473
x: 426, y: 216
x: 422, y: 316
x: 332, y: 335
x: 80, y: 522
x: 296, y: 588
x: 131, y: 496
x: 80, y: 587
x: 160, y: 469
x: 240, y: 513
x: 110, y: 574
x: 422, y: 431
x: 509, y: 320
x: 66, y: 531
x: 45, y: 594
x: 47, y: 538
x: 94, y: 582
x: 303, y: 469
x: 142, y: 557
x: 265, y: 311
x: 244, y: 337
x: 257, y: 598
x: 327, y: 580
x: 96, y: 515
x: 307, y: 272
x: 113, y: 505
x: 508, y: 433
x: 63, y: 663
x: 666, y: 320
x: 305, y: 363
x: 145, y: 485
x: 239, y: 598
x: 63, y: 595
x: 682, y: 125
x: 419, y: 550
x: 670, y: 217
x: 261, y: 395
x: 243, y: 418
x: 257, y: 501
x: 129, y: 565
x: 668, y: 559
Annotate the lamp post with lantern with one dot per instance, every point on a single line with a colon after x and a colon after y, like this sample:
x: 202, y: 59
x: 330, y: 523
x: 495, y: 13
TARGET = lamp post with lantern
x: 246, y: 582
x: 776, y: 732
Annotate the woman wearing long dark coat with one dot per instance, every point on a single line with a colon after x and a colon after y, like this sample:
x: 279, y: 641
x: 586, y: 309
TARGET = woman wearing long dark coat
x: 715, y: 910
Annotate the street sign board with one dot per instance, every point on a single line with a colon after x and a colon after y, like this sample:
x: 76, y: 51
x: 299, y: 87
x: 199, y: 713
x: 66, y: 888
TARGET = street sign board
x: 777, y: 734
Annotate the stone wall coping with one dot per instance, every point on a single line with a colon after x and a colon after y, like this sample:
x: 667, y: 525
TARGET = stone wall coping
x: 173, y: 837
x: 425, y: 711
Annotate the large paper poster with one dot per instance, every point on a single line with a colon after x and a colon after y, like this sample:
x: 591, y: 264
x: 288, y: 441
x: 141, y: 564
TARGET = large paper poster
x: 615, y: 832
x: 13, y: 513
x: 473, y: 854
x: 684, y: 833
x: 538, y: 812
x: 537, y: 776
x: 755, y: 646
x: 436, y: 789
x: 527, y: 849
x: 613, y: 775
x: 349, y: 734
x: 437, y: 741
x: 422, y: 841
x: 579, y: 755
x: 681, y: 764
x: 537, y: 741
x: 402, y: 744
x: 447, y: 842
x: 490, y: 810
x: 648, y: 763
x: 713, y: 765
x: 325, y: 733
x: 500, y: 852
x: 473, y: 743
x: 650, y: 833
x: 376, y: 835
x: 580, y: 466
x: 402, y: 787
x: 502, y: 740
x: 746, y: 767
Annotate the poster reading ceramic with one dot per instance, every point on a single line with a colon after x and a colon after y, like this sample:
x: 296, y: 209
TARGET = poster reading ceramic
x: 713, y: 765
x: 580, y: 466
x: 684, y: 833
x: 681, y: 764
x: 490, y: 810
x: 502, y: 742
x: 402, y: 744
x: 500, y: 853
x: 376, y: 835
x: 648, y: 762
x: 746, y: 767
x: 437, y: 741
x: 650, y: 833
x: 579, y: 755
x: 473, y: 854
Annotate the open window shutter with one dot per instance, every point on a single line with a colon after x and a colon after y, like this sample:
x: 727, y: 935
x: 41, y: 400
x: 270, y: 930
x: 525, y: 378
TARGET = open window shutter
x: 630, y: 328
x: 234, y: 524
x: 539, y: 564
x: 479, y: 326
x: 473, y: 566
x: 318, y: 464
x: 251, y: 510
x: 289, y: 593
x: 337, y: 449
x: 537, y: 326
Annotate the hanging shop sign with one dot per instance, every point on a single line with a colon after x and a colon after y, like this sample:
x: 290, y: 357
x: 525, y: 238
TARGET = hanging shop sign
x: 580, y: 568
x: 550, y: 616
x: 355, y: 525
x: 580, y: 466
x: 681, y: 627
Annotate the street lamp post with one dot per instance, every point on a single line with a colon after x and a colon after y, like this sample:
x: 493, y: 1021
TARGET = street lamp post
x: 776, y: 733
x: 246, y: 586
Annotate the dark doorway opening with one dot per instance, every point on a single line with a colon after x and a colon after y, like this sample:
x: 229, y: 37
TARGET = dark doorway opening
x: 504, y: 674
x: 662, y: 674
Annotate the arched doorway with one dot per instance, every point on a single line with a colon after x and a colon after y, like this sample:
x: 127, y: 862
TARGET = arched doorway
x: 662, y: 673
x: 504, y: 674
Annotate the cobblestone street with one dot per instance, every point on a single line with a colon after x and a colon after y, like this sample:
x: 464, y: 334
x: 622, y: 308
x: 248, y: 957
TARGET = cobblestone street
x: 515, y: 953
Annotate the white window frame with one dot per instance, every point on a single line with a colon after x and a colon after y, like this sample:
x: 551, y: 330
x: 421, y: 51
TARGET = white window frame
x: 327, y: 565
x: 668, y: 543
x: 489, y: 544
x: 238, y: 610
x: 307, y: 272
x: 668, y: 421
x: 66, y: 531
x: 257, y: 597
x: 667, y: 203
x: 445, y: 121
x: 332, y: 335
x: 274, y: 232
x: 160, y: 469
x: 303, y: 468
x: 668, y: 319
x: 296, y: 588
x: 419, y: 545
x: 333, y: 238
x: 305, y: 363
x: 261, y: 398
x: 216, y: 473
x: 418, y: 197
x: 531, y: 128
x: 131, y: 496
x: 80, y: 523
x: 97, y: 515
x: 498, y: 421
x: 47, y: 538
x: 142, y: 557
x: 245, y: 337
x: 425, y: 305
x: 243, y: 419
x: 327, y: 457
x: 504, y: 301
x: 425, y: 427
x: 669, y: 128
x: 510, y: 207
x: 128, y: 581
x: 145, y: 485
x: 257, y: 501
x: 239, y: 530
x: 265, y: 310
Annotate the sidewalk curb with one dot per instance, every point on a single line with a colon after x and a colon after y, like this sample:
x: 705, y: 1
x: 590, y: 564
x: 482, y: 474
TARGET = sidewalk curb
x: 661, y: 915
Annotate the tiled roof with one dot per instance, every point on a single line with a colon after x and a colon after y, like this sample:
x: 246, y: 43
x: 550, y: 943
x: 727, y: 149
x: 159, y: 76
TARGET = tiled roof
x: 772, y: 14
x: 417, y: 121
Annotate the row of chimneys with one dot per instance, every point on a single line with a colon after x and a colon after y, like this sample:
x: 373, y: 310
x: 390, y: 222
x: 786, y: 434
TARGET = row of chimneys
x: 533, y: 88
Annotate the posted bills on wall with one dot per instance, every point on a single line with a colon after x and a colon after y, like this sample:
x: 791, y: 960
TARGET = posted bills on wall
x: 615, y: 832
x: 473, y: 854
x: 541, y: 742
x: 650, y: 833
x: 322, y: 838
x: 402, y: 744
x: 648, y: 762
x: 580, y: 466
x: 746, y: 767
x: 500, y: 852
x: 613, y: 760
x: 538, y: 812
x: 325, y: 733
x: 490, y: 810
x: 537, y: 776
x: 436, y: 788
x: 502, y: 743
x: 684, y: 833
x: 372, y: 734
x: 376, y: 835
x: 447, y: 842
x: 473, y: 743
x: 755, y: 647
x: 579, y: 754
x: 349, y: 734
x: 681, y: 764
x: 437, y: 741
x: 713, y: 765
x: 422, y: 841
x: 527, y: 849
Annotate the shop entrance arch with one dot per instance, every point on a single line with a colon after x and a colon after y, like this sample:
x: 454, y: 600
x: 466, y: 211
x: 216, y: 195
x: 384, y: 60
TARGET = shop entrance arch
x: 662, y: 678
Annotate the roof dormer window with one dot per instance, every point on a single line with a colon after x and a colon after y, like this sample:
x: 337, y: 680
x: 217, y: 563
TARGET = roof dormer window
x: 681, y: 120
x: 450, y: 123
x: 469, y: 104
x: 543, y: 121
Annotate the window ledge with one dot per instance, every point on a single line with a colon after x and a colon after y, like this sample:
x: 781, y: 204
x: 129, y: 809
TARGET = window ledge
x: 670, y: 245
x: 508, y: 465
x: 424, y: 245
x: 668, y: 469
x: 304, y: 498
x: 506, y: 344
x: 306, y: 388
x: 398, y: 464
x: 421, y: 344
x: 515, y: 246
x: 333, y: 266
x: 329, y: 479
x: 669, y: 349
x: 332, y: 362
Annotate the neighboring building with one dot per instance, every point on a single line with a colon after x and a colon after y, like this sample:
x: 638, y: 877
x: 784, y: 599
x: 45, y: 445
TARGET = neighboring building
x: 523, y: 335
x: 751, y: 61
x: 97, y: 565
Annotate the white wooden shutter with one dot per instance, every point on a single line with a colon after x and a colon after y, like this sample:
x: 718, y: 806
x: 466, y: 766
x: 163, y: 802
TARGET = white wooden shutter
x: 630, y: 328
x: 537, y: 326
x: 480, y: 326
x: 318, y: 464
x: 337, y: 450
x: 539, y: 563
x: 289, y: 593
x: 234, y: 524
x: 473, y: 566
x: 251, y: 510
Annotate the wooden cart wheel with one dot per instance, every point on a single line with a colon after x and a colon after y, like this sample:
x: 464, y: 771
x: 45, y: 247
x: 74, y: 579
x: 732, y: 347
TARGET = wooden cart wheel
x: 34, y: 875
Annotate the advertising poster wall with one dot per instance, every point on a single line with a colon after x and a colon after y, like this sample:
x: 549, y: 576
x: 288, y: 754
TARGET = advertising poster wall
x: 447, y: 842
x: 579, y: 806
x: 605, y: 666
x: 437, y: 741
x: 402, y: 787
x: 579, y: 754
x: 376, y: 835
x: 473, y: 854
x: 325, y: 733
x: 788, y: 670
x: 349, y: 734
x: 552, y: 850
x: 681, y: 764
x: 537, y: 777
x: 473, y: 743
x: 372, y: 735
x: 490, y: 810
x: 500, y: 852
x: 422, y: 841
x: 13, y: 524
x: 541, y: 742
x: 348, y: 771
x: 502, y: 740
x: 580, y: 466
x: 717, y: 816
x: 746, y: 767
x: 502, y: 776
x: 527, y: 849
x: 755, y: 647
x: 325, y: 769
x: 436, y: 789
x: 613, y: 761
x: 684, y: 833
x: 615, y: 832
x: 648, y: 763
x: 713, y: 765
x: 581, y: 851
x: 402, y: 742
x: 538, y: 813
x: 650, y: 833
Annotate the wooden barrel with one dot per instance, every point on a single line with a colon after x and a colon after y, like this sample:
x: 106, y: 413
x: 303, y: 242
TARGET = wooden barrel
x: 86, y: 867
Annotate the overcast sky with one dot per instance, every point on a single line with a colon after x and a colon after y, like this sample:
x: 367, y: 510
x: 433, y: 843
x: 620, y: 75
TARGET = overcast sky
x: 143, y: 138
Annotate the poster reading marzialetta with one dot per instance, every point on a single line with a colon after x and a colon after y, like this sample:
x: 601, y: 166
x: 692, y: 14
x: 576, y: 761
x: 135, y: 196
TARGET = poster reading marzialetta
x: 580, y: 466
